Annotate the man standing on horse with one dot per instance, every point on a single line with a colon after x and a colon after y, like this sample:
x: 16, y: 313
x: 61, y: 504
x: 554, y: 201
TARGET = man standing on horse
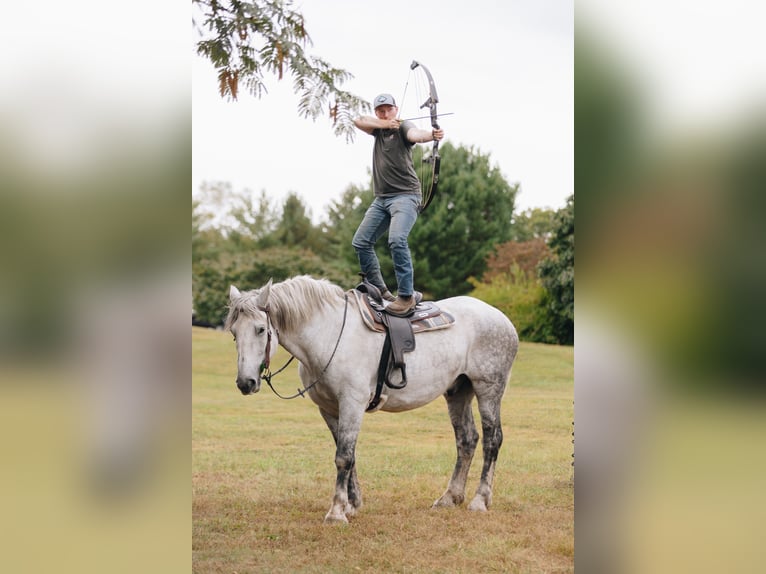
x: 397, y: 199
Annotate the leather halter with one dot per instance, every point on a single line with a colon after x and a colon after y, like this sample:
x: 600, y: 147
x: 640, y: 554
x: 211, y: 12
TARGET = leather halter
x: 267, y: 357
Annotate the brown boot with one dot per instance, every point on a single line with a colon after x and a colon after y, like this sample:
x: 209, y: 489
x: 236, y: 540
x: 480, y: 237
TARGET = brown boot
x: 388, y: 296
x: 402, y: 306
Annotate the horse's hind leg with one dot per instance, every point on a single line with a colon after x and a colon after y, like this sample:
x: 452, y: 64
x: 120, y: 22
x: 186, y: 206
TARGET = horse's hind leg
x: 348, y: 494
x: 492, y: 439
x: 466, y: 438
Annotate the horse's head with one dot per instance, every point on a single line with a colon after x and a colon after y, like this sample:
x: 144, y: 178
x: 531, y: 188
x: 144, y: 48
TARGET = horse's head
x: 254, y: 334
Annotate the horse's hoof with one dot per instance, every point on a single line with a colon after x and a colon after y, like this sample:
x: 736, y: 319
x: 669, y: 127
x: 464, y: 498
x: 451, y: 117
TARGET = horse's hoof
x: 446, y: 501
x: 335, y: 519
x: 350, y: 510
x: 477, y: 505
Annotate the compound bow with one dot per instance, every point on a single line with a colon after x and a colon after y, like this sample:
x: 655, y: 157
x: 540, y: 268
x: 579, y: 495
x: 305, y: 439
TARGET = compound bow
x: 434, y: 159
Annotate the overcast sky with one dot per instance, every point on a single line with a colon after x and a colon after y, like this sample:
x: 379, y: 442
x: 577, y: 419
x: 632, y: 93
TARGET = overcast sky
x: 505, y: 69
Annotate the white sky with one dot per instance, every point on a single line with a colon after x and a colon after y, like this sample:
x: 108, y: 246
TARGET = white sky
x: 505, y: 69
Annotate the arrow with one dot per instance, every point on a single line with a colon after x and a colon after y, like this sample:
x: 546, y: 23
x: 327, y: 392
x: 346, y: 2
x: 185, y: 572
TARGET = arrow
x: 424, y: 117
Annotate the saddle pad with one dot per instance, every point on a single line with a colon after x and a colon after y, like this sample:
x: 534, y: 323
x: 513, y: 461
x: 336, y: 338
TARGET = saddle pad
x: 427, y: 316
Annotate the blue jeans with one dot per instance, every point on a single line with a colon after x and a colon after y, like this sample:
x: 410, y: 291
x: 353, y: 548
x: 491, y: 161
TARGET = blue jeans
x: 397, y: 215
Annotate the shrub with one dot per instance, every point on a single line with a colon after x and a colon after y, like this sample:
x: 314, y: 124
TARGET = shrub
x: 521, y: 299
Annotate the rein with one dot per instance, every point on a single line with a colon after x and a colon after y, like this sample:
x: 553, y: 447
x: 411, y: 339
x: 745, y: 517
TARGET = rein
x: 267, y: 375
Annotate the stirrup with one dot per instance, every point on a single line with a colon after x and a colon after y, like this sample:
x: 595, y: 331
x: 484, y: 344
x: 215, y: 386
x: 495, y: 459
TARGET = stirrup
x: 367, y: 287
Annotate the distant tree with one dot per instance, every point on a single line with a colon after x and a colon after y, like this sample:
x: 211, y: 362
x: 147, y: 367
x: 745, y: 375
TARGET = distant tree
x: 207, y: 240
x: 295, y: 228
x: 207, y: 245
x: 246, y: 41
x: 234, y: 212
x: 343, y: 216
x: 532, y: 223
x: 470, y: 214
x: 523, y: 255
x: 254, y: 217
x: 557, y: 275
x: 209, y: 204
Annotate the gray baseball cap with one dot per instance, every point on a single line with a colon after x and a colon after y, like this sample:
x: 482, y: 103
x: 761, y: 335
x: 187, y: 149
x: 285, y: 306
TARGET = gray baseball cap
x: 384, y: 99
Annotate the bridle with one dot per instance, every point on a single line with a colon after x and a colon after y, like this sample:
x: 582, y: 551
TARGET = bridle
x: 266, y: 374
x: 267, y: 357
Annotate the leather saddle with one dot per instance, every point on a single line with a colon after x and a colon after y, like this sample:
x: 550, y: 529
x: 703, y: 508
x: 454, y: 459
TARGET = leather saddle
x: 400, y: 333
x: 426, y: 316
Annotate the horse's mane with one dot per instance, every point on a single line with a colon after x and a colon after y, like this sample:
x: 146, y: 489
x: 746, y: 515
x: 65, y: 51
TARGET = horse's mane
x: 291, y: 302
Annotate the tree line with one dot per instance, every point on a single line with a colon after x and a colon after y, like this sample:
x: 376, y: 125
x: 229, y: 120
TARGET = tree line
x: 468, y: 241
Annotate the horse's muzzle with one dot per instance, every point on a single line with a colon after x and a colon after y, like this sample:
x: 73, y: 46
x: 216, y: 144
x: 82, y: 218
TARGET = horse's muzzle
x: 249, y: 385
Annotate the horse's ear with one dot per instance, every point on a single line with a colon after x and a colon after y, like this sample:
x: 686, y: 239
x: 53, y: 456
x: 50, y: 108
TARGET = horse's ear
x: 263, y: 295
x: 233, y: 293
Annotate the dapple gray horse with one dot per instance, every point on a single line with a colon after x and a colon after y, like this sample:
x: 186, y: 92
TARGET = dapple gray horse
x: 320, y: 325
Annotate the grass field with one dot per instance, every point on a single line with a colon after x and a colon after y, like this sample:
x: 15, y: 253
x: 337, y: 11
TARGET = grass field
x: 263, y: 477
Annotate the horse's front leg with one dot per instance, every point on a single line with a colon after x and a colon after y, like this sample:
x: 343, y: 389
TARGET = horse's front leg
x: 349, y: 424
x: 354, y: 490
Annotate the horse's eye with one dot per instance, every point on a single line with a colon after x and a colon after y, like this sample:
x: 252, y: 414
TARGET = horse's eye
x: 261, y: 330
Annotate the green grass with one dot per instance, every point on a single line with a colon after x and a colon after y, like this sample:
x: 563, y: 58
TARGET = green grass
x: 263, y: 478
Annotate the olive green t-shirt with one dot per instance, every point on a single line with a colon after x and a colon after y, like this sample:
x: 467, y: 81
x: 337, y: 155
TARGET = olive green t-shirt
x: 392, y: 169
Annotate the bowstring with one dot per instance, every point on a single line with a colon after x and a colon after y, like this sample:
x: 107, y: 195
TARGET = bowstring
x: 404, y: 95
x: 421, y: 88
x: 421, y: 84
